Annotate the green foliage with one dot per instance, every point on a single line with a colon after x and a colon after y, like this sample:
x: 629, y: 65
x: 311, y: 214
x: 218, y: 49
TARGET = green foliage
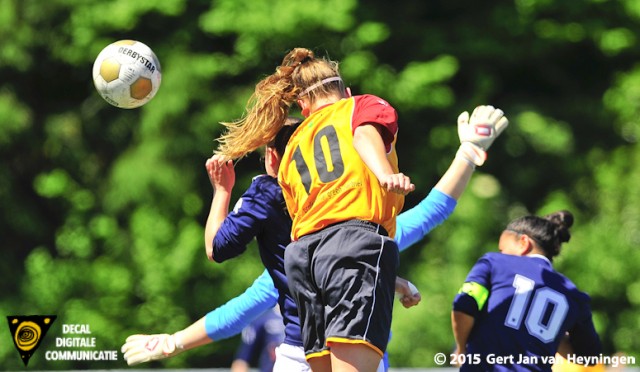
x: 16, y: 118
x: 103, y: 209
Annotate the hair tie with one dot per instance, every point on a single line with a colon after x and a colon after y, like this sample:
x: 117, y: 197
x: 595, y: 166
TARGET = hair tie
x: 320, y: 83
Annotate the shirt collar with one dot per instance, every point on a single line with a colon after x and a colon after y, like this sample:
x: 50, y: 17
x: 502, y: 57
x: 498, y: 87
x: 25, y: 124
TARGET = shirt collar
x: 539, y: 256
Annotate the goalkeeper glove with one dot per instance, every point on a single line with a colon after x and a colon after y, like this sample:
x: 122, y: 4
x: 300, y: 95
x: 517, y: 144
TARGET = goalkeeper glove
x: 483, y: 127
x: 472, y: 154
x: 478, y: 133
x: 144, y: 348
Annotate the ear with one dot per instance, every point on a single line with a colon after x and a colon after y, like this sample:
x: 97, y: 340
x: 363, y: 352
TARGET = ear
x: 304, y: 106
x: 348, y: 92
x: 270, y: 156
x: 525, y: 244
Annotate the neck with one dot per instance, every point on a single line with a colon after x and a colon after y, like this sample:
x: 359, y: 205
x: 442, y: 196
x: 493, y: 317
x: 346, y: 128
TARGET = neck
x: 321, y: 102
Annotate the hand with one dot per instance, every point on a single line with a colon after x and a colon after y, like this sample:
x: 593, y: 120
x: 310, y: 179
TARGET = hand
x: 397, y: 183
x: 484, y: 126
x: 144, y: 348
x: 407, y: 293
x: 221, y: 173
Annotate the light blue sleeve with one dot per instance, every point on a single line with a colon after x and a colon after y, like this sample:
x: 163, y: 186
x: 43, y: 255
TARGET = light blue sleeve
x: 414, y: 224
x: 229, y: 319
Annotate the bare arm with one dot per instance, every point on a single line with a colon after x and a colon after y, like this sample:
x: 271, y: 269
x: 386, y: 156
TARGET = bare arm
x: 369, y: 144
x: 194, y: 335
x: 462, y: 324
x: 456, y: 178
x: 222, y: 177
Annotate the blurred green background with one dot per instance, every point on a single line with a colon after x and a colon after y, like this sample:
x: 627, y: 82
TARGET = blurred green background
x: 102, y: 209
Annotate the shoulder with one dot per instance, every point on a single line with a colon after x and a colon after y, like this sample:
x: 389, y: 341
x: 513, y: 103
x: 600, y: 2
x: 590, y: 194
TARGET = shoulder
x: 266, y: 189
x: 486, y: 263
x: 264, y: 183
x: 497, y: 261
x: 263, y: 180
x: 492, y: 257
x: 511, y: 264
x: 373, y: 109
x: 572, y: 289
x: 371, y: 100
x: 503, y: 258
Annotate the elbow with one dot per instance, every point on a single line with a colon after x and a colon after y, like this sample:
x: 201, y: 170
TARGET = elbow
x: 208, y: 249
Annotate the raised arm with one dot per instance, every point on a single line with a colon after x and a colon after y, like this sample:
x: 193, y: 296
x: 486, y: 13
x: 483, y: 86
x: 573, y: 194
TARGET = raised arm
x: 222, y: 177
x: 476, y: 136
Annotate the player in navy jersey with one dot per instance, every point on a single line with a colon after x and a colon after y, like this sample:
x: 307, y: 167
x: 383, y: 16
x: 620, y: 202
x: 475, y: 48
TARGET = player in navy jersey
x: 260, y: 213
x: 514, y: 309
x: 231, y: 318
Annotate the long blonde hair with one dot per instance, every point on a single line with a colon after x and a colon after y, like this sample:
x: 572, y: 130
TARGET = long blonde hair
x: 269, y: 105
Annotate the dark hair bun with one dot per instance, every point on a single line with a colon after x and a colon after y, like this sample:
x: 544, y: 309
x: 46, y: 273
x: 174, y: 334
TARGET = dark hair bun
x: 563, y: 221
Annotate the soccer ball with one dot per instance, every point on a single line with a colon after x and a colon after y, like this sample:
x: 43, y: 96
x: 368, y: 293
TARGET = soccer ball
x: 127, y: 74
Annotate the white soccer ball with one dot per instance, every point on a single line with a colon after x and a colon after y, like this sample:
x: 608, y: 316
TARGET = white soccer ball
x: 127, y: 74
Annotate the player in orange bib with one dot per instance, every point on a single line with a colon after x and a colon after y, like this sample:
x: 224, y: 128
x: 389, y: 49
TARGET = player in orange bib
x: 342, y: 262
x: 340, y: 179
x: 343, y: 190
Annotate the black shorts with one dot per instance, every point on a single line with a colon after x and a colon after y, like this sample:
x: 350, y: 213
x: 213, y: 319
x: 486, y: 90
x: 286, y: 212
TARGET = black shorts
x: 343, y: 281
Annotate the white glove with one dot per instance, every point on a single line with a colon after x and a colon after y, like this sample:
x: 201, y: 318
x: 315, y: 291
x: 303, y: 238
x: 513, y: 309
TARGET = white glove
x: 472, y: 154
x: 144, y: 348
x: 412, y: 288
x: 484, y: 126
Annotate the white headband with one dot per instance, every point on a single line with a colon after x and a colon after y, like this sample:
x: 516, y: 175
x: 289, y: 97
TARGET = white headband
x: 321, y: 82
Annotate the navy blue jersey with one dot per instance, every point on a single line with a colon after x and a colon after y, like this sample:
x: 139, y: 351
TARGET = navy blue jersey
x: 261, y: 213
x: 522, y: 308
x: 260, y: 339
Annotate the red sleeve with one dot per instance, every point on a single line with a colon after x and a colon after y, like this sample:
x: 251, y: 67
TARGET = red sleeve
x: 372, y: 109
